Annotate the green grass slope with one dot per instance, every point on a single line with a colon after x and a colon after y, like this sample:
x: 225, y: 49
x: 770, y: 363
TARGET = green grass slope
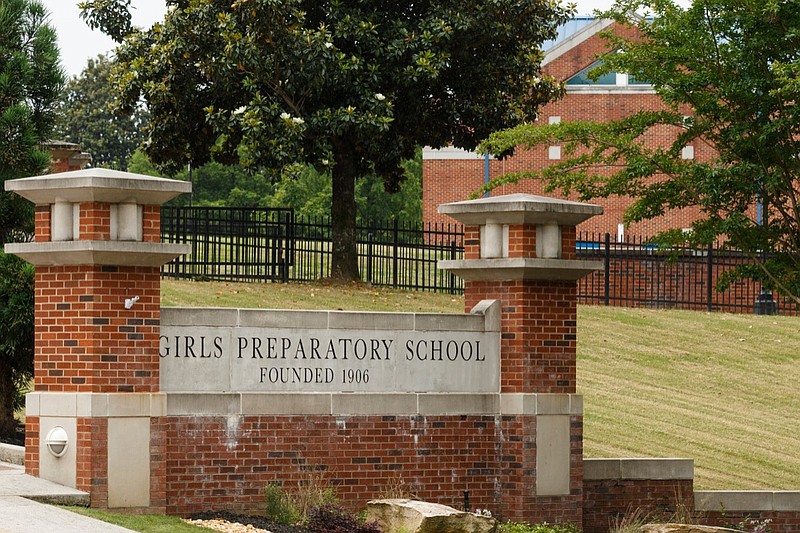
x: 721, y: 389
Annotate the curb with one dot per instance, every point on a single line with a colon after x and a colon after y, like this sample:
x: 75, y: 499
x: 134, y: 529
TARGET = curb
x: 12, y: 454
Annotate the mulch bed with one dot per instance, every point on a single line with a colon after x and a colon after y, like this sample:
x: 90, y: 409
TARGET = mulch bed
x: 255, y: 521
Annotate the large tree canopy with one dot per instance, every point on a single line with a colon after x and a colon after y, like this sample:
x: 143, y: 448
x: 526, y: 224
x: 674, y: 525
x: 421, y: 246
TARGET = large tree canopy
x: 728, y: 73
x: 351, y: 87
x: 30, y: 81
x: 86, y: 116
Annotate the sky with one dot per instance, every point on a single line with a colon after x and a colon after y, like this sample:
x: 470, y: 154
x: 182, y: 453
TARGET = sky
x: 78, y: 43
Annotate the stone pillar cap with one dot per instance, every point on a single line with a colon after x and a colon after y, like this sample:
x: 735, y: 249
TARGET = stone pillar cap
x: 523, y: 209
x: 98, y: 185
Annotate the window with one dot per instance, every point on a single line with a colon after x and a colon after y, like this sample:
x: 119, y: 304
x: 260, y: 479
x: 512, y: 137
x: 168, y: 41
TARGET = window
x: 582, y: 77
x: 617, y: 79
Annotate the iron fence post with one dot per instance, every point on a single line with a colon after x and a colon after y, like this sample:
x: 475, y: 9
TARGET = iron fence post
x: 395, y: 251
x: 709, y: 273
x: 369, y: 258
x: 607, y: 270
x: 452, y: 276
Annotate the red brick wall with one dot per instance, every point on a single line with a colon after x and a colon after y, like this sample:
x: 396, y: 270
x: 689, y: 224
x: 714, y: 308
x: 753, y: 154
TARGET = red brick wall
x: 151, y: 222
x: 42, y: 223
x: 32, y: 430
x: 95, y: 222
x: 780, y: 521
x: 225, y: 463
x: 86, y: 340
x: 447, y: 181
x: 92, y: 461
x: 539, y: 333
x: 159, y: 441
x: 606, y: 502
x: 579, y: 57
x: 214, y: 465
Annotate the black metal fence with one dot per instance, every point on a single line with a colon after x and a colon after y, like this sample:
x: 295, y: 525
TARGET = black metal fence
x: 231, y: 244
x: 234, y: 244
x: 637, y: 273
x: 266, y: 244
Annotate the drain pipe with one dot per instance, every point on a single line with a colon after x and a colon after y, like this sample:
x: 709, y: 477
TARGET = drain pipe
x: 486, y: 173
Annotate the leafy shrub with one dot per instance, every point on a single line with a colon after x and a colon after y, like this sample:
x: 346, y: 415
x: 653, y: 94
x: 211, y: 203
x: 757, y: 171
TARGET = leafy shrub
x: 279, y: 506
x: 312, y: 491
x: 524, y: 527
x: 334, y: 519
x: 294, y: 505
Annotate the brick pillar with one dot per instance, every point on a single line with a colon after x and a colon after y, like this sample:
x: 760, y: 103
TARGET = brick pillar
x: 520, y: 249
x: 97, y: 321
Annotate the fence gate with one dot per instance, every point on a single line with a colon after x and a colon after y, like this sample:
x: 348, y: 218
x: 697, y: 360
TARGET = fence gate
x: 229, y: 243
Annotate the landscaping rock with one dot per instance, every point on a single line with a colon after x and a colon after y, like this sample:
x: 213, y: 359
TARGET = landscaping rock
x: 682, y: 528
x: 424, y: 517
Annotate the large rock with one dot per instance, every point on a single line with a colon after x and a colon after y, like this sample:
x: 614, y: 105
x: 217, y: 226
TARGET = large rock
x: 422, y: 517
x: 682, y: 528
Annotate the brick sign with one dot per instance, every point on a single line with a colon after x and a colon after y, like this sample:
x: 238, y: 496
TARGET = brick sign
x: 415, y: 353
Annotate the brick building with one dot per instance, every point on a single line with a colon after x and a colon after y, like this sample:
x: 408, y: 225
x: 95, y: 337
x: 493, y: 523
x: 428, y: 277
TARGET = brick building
x: 451, y: 174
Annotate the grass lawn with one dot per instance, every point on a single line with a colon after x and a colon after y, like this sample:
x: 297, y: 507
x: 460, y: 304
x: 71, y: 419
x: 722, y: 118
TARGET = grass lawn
x: 718, y: 388
x: 351, y: 297
x: 143, y: 523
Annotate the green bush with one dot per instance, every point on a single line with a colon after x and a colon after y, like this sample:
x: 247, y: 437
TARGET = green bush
x: 279, y: 506
x: 294, y: 506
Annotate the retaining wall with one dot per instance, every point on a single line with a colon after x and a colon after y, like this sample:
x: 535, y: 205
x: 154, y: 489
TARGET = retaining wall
x: 660, y: 488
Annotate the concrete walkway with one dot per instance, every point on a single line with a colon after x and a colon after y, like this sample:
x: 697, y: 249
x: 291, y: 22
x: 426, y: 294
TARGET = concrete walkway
x: 22, y: 512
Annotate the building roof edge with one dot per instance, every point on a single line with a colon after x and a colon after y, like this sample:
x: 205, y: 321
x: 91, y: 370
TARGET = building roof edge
x: 575, y: 39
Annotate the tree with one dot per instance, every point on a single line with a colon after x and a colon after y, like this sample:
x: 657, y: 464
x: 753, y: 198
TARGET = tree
x: 374, y: 204
x: 351, y: 88
x: 86, y: 117
x: 727, y: 72
x: 214, y: 184
x: 30, y: 81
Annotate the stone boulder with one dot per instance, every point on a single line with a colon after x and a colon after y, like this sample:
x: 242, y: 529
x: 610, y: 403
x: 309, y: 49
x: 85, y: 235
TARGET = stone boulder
x: 423, y: 517
x: 682, y: 528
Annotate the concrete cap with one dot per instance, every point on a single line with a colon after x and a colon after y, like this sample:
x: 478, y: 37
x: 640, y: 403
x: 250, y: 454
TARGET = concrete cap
x: 118, y: 253
x: 98, y: 185
x: 513, y: 268
x: 525, y: 209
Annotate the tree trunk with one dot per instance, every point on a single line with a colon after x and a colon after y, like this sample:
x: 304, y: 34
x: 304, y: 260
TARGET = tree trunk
x: 344, y: 257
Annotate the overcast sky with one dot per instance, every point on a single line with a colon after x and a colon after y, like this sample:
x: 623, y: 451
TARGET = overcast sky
x: 78, y: 43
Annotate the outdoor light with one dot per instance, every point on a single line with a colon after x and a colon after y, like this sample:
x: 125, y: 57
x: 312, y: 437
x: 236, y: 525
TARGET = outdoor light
x: 130, y: 301
x: 57, y: 441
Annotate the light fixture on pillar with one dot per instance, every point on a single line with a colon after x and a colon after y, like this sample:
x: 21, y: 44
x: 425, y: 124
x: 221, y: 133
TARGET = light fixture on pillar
x: 130, y: 301
x: 57, y: 441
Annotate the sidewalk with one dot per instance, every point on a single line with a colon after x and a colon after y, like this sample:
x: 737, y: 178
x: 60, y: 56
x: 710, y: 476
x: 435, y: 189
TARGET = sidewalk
x: 19, y: 514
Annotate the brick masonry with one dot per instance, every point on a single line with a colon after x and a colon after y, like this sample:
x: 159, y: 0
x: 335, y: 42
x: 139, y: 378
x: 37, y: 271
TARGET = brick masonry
x: 85, y: 340
x: 224, y: 462
x: 607, y: 502
x: 784, y: 521
x: 450, y: 180
x: 539, y: 333
x: 661, y: 495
